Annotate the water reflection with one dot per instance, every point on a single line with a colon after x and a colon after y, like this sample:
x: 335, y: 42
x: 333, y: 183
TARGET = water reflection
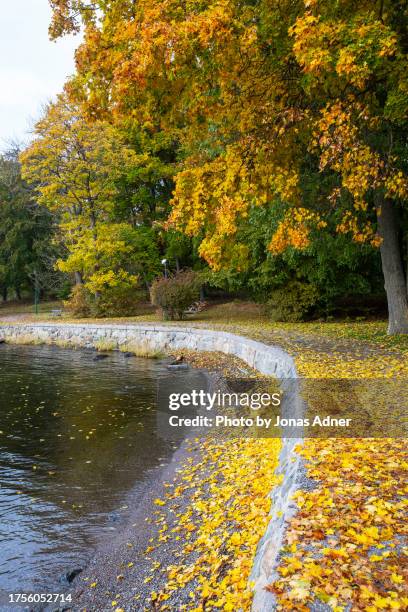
x: 77, y: 437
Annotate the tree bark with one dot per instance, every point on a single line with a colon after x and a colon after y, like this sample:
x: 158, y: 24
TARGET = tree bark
x: 393, y: 271
x: 78, y: 278
x: 406, y: 263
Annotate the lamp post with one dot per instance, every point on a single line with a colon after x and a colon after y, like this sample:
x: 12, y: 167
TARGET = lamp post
x: 164, y: 262
x: 36, y: 292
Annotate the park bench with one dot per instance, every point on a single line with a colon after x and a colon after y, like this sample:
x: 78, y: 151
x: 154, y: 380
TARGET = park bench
x: 196, y: 307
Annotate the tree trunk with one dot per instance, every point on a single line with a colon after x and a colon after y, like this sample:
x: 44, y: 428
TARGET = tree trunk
x: 4, y: 293
x: 406, y: 262
x: 78, y: 278
x: 392, y: 266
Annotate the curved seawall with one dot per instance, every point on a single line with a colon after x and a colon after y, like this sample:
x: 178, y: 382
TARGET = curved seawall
x: 268, y: 360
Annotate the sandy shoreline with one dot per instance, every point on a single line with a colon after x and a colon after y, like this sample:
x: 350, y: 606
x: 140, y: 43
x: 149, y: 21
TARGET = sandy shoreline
x: 109, y: 568
x: 120, y: 565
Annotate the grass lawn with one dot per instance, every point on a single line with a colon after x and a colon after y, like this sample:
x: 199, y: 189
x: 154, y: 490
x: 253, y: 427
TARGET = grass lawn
x: 371, y: 331
x: 26, y: 309
x: 234, y: 313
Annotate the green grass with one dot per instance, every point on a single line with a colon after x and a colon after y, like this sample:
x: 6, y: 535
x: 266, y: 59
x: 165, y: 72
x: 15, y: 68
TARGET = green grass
x: 241, y: 314
x: 251, y: 316
x: 372, y: 332
x: 9, y: 309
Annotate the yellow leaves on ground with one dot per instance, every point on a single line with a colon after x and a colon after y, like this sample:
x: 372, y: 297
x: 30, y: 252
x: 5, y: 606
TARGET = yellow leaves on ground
x: 347, y: 545
x: 314, y: 364
x: 349, y: 535
x: 222, y: 524
x: 215, y: 361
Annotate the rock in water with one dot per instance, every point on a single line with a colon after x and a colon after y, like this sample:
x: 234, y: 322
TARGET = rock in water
x: 177, y: 366
x: 73, y: 574
x: 70, y: 576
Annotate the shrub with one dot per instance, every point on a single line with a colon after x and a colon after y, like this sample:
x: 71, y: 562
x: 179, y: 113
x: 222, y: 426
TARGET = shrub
x: 111, y: 302
x: 118, y: 301
x: 79, y: 303
x: 175, y: 294
x: 293, y: 302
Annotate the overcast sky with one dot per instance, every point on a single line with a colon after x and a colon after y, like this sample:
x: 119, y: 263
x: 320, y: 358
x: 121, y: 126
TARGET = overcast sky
x: 32, y: 68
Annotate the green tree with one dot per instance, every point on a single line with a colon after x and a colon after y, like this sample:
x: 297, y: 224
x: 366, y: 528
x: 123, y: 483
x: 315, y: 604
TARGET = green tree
x: 145, y: 188
x: 27, y: 252
x: 120, y: 256
x: 74, y: 166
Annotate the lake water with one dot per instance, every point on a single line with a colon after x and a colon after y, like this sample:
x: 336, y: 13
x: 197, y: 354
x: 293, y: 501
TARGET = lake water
x: 79, y: 442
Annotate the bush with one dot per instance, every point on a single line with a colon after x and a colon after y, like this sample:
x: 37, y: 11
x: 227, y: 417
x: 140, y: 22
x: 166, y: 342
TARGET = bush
x: 119, y: 301
x: 79, y: 304
x: 175, y: 294
x: 112, y: 302
x: 293, y: 302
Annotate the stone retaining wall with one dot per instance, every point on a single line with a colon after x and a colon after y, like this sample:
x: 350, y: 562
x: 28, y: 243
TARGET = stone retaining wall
x: 269, y: 360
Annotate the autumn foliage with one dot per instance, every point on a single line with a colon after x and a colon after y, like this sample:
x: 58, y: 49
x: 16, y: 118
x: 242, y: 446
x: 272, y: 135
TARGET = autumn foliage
x: 196, y: 126
x: 264, y: 94
x: 175, y: 294
x: 264, y: 98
